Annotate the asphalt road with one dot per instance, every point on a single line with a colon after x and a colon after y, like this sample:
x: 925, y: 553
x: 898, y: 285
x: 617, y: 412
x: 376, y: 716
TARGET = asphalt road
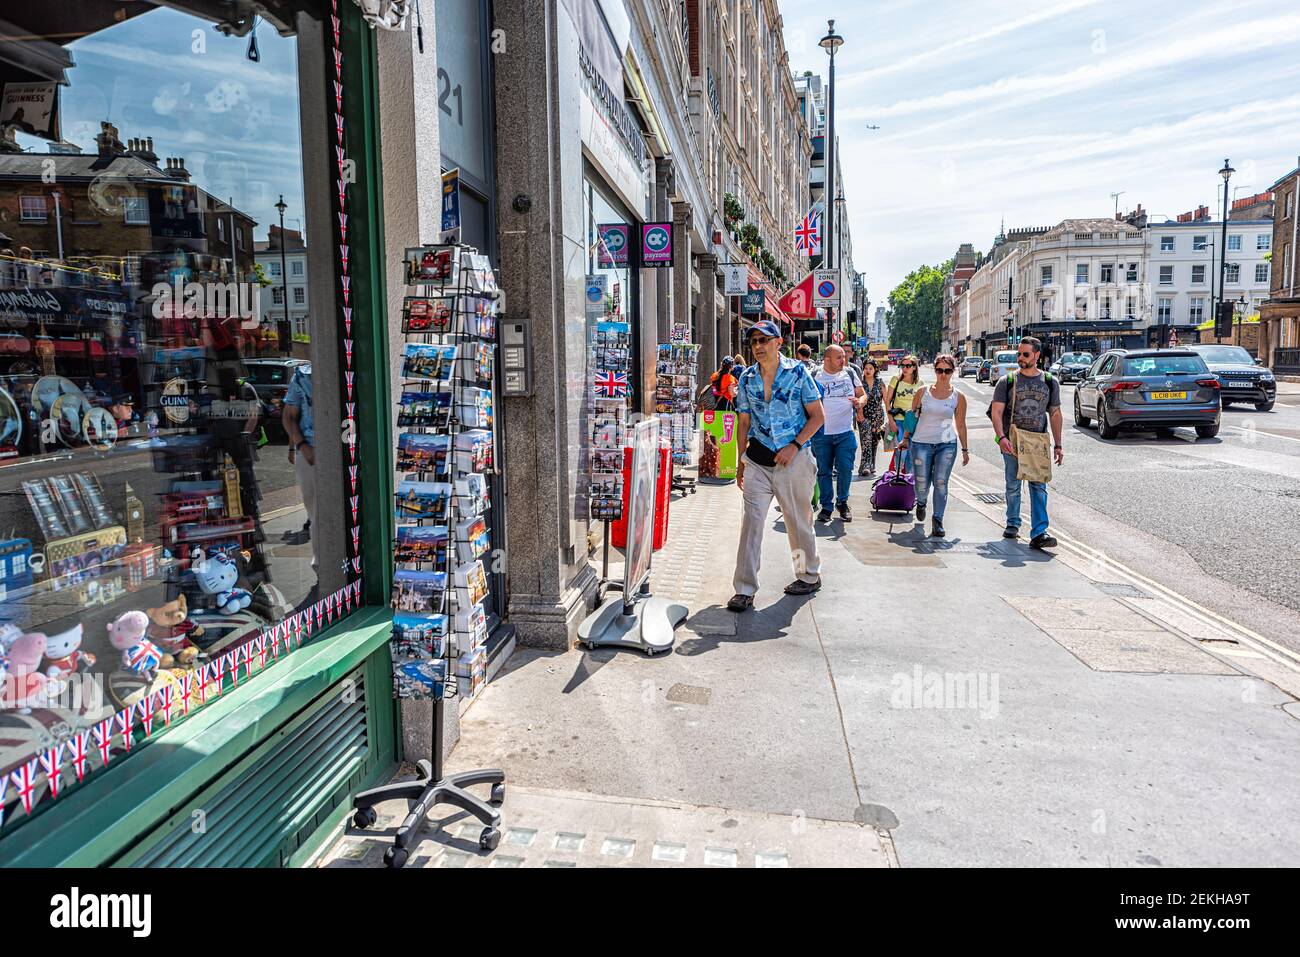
x: 1215, y: 519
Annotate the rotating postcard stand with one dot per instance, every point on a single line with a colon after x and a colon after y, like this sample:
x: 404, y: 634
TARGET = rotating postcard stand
x: 635, y: 618
x: 449, y: 318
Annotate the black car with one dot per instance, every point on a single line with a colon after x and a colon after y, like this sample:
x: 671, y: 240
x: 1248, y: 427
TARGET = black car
x: 1148, y: 389
x: 1072, y: 366
x: 1241, y: 377
x: 271, y: 377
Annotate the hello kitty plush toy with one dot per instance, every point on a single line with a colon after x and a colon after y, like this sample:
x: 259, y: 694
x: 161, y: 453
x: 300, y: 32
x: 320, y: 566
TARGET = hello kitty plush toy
x: 217, y: 575
x: 63, y: 654
x: 139, y: 655
x: 24, y: 686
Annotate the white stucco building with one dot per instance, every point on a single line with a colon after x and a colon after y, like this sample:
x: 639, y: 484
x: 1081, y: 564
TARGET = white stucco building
x: 293, y: 285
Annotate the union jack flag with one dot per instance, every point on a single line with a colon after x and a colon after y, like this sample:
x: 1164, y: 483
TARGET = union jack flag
x: 25, y: 780
x: 80, y: 751
x: 52, y: 762
x: 104, y: 738
x: 808, y: 234
x: 146, y: 714
x: 166, y: 703
x: 611, y: 385
x: 146, y: 656
x: 126, y: 724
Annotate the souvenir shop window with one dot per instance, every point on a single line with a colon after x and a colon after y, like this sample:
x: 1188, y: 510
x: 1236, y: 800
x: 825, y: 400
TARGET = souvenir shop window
x: 159, y: 491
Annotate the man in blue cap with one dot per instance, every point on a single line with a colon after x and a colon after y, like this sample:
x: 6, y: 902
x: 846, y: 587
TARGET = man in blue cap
x: 779, y: 408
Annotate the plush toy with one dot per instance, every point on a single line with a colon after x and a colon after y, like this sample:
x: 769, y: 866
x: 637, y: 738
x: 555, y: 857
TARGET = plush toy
x: 171, y: 629
x: 24, y: 686
x: 139, y: 655
x: 63, y: 654
x: 217, y: 575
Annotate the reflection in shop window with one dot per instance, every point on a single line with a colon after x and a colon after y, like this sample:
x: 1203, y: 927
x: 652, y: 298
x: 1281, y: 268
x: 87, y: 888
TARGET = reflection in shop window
x: 157, y: 436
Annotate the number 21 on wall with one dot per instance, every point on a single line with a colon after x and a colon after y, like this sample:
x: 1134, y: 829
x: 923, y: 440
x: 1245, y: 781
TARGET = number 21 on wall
x: 446, y: 90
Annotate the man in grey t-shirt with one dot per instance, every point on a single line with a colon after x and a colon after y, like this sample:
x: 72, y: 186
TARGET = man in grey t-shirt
x: 1037, y: 405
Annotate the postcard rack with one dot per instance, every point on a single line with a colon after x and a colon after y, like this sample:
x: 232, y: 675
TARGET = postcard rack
x: 675, y: 366
x: 445, y: 422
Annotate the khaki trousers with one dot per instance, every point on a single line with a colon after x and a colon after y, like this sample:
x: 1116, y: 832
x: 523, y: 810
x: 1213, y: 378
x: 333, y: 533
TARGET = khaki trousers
x: 792, y: 487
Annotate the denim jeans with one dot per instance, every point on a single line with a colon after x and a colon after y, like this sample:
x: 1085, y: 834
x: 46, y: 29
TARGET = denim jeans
x: 903, y: 463
x: 835, y: 455
x: 933, y: 462
x: 1037, y: 499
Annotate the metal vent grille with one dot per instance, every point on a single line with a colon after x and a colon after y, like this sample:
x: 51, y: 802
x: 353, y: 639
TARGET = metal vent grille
x: 992, y: 498
x: 280, y: 795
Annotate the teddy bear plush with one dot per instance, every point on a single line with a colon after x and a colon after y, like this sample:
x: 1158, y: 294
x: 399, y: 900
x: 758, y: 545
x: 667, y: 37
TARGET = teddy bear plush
x: 217, y: 575
x: 63, y: 654
x: 171, y: 629
x: 140, y: 656
x: 24, y: 686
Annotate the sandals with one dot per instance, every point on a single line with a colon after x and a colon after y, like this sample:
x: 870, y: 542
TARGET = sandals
x: 740, y: 603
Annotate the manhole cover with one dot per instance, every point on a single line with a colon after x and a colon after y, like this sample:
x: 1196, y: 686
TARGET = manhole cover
x: 1120, y: 589
x: 964, y: 548
x: 992, y: 498
x: 689, y: 694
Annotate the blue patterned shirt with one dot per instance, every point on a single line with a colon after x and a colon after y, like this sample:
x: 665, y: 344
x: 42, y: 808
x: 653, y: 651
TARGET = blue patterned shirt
x: 777, y: 422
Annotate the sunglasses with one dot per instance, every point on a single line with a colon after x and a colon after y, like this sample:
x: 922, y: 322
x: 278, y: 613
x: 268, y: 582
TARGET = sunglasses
x: 760, y: 340
x: 1025, y: 355
x: 942, y: 371
x: 909, y: 365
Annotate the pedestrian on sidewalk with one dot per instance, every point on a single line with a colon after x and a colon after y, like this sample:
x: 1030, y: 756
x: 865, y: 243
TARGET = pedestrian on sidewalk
x: 722, y: 386
x: 804, y: 355
x: 836, y: 444
x: 780, y: 410
x: 901, y: 418
x: 1025, y: 402
x: 871, y: 417
x: 940, y: 422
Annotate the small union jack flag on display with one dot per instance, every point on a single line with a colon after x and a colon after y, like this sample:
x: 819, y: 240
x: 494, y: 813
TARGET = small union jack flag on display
x: 52, y: 762
x: 78, y: 747
x: 24, y: 779
x: 104, y: 738
x: 808, y: 234
x: 611, y: 385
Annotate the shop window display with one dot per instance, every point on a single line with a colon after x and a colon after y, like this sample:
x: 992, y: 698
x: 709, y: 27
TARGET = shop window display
x: 158, y: 479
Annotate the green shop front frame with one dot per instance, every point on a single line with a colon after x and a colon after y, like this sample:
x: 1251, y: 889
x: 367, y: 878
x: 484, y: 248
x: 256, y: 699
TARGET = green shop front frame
x: 260, y: 776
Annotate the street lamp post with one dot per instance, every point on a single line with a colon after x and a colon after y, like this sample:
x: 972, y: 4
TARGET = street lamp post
x: 285, y: 335
x: 830, y: 43
x: 1226, y: 173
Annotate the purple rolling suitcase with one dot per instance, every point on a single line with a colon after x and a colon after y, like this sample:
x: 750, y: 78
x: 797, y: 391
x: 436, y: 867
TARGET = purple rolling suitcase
x: 894, y: 491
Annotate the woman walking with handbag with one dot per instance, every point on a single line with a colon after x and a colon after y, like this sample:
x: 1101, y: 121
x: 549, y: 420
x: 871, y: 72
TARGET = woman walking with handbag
x: 721, y: 388
x: 871, y: 420
x: 900, y: 418
x: 940, y: 422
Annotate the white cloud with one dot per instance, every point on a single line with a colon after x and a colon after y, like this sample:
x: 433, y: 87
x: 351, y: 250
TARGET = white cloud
x: 225, y: 96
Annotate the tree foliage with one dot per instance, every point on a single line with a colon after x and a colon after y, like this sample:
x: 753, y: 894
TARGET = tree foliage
x: 915, y: 314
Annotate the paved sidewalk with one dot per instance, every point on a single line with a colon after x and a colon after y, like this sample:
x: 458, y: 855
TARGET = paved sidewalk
x: 959, y: 702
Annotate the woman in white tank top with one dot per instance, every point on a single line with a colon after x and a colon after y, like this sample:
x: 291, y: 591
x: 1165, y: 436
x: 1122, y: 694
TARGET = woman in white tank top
x: 940, y: 424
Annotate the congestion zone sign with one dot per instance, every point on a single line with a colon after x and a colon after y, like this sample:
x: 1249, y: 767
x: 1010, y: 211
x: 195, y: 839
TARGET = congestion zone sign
x: 826, y: 287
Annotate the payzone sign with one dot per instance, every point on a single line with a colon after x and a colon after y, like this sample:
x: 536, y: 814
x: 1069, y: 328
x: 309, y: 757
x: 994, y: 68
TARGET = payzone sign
x: 613, y: 248
x: 657, y: 244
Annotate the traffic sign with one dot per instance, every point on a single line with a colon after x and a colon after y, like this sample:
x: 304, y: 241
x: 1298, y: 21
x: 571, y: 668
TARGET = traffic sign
x: 826, y: 287
x: 837, y: 337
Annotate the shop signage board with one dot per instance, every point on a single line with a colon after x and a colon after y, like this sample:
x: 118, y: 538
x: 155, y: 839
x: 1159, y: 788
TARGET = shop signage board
x: 615, y: 244
x: 736, y: 280
x: 657, y: 245
x: 719, y: 453
x: 641, y: 505
x: 451, y: 200
x: 33, y: 108
x: 595, y: 291
x: 826, y: 287
x: 751, y: 304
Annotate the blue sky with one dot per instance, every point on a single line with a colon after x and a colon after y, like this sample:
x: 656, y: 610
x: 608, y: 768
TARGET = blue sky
x: 1039, y: 111
x: 234, y: 121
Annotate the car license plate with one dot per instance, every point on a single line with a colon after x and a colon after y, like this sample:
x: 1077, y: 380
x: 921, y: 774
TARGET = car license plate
x: 1168, y: 395
x: 1238, y: 385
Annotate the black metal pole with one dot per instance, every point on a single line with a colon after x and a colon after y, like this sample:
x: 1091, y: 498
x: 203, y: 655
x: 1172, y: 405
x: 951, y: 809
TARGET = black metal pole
x: 285, y: 347
x: 1223, y: 253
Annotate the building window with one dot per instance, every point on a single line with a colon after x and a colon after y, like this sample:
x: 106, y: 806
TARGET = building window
x: 1199, y: 243
x: 1081, y: 272
x: 239, y: 237
x: 300, y: 325
x: 1132, y: 274
x: 1261, y: 272
x: 1081, y: 307
x: 1166, y: 275
x: 135, y: 210
x: 275, y: 269
x: 1196, y: 313
x: 1107, y: 272
x: 1083, y: 237
x: 1164, y: 309
x: 1105, y: 307
x: 1198, y: 274
x: 295, y: 268
x: 1045, y: 308
x: 299, y: 296
x: 1166, y: 244
x: 1046, y: 275
x: 221, y: 229
x: 1264, y: 241
x: 33, y: 209
x: 1233, y: 273
x: 1234, y: 243
x: 277, y: 295
x: 1130, y: 307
